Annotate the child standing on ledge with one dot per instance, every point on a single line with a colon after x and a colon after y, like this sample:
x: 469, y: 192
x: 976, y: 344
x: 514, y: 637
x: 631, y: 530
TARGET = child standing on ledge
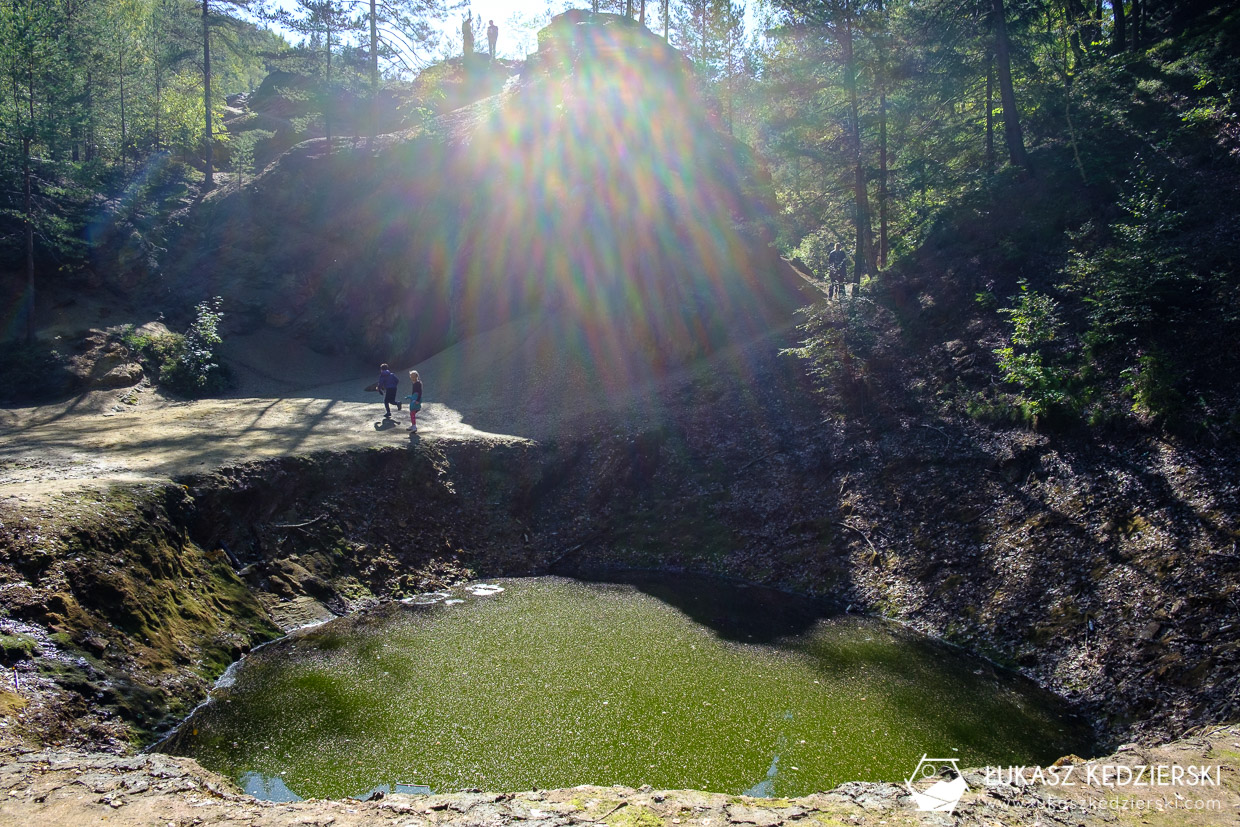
x: 415, y: 401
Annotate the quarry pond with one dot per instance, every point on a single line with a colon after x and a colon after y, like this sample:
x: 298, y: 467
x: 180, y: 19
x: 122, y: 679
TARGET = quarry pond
x: 671, y: 680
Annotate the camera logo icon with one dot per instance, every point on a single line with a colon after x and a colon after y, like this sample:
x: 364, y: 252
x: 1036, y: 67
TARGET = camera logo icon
x: 936, y: 785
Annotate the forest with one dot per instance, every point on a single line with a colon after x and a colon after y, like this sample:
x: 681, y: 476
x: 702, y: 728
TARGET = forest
x: 1063, y: 170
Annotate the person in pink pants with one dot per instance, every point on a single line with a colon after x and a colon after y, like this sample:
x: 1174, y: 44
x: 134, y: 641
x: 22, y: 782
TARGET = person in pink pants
x: 415, y: 401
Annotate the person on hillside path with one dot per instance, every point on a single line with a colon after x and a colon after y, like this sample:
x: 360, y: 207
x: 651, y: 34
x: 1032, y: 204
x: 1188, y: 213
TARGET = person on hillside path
x: 492, y: 36
x: 836, y: 262
x: 415, y: 401
x: 467, y: 37
x: 387, y: 385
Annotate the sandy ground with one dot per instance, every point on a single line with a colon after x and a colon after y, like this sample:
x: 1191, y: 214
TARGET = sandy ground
x: 526, y: 380
x: 139, y: 435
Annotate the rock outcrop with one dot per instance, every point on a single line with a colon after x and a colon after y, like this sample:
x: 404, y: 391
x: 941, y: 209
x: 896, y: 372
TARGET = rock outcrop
x: 596, y: 187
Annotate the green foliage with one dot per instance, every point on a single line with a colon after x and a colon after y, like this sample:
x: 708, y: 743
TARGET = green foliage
x: 1035, y: 318
x: 1157, y: 316
x: 187, y: 363
x: 1132, y: 274
x: 839, y: 338
x: 1151, y: 384
x: 1026, y: 363
x: 242, y: 147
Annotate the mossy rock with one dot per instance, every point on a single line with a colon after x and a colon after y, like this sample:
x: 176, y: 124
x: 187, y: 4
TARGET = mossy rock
x: 635, y: 816
x: 14, y: 648
x: 11, y: 703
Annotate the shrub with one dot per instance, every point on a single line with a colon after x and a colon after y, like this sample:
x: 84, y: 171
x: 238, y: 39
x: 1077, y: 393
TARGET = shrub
x: 1027, y: 363
x: 187, y: 363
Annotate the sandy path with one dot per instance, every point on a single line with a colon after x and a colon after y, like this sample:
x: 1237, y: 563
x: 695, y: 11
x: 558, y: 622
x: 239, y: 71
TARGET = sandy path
x: 534, y: 378
x: 518, y: 382
x: 137, y: 435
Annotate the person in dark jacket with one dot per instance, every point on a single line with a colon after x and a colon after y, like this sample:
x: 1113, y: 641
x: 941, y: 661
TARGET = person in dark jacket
x: 387, y: 386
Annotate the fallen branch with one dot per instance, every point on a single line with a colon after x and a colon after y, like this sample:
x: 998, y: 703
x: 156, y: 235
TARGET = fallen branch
x: 604, y: 816
x: 300, y: 525
x: 758, y: 459
x: 594, y: 535
x: 980, y: 516
x: 865, y: 536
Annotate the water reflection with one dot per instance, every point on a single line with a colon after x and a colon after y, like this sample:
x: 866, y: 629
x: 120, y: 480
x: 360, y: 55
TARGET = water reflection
x: 268, y: 788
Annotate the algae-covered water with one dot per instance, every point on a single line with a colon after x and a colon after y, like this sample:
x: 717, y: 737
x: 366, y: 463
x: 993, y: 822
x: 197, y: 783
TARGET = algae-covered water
x: 669, y: 680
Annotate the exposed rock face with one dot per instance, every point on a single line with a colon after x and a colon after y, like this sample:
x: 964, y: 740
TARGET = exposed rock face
x: 595, y: 186
x: 104, y: 363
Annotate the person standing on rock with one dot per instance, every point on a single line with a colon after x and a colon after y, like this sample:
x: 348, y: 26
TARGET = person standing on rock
x: 492, y: 36
x: 387, y: 386
x: 415, y: 401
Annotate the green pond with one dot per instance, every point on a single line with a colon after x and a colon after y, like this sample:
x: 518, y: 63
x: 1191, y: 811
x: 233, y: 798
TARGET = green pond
x: 669, y: 680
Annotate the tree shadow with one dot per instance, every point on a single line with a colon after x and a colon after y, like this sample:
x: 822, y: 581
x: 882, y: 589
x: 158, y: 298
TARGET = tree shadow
x: 734, y: 610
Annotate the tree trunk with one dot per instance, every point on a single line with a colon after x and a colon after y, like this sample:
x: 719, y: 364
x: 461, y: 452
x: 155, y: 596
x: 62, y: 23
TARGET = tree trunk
x: 702, y: 36
x: 374, y: 72
x: 641, y: 13
x: 990, y: 115
x: 1119, y: 34
x: 1011, y: 115
x: 28, y: 199
x: 327, y: 92
x: 121, y: 73
x: 882, y: 179
x: 1074, y: 11
x: 665, y: 21
x: 864, y: 255
x: 628, y: 9
x: 882, y: 141
x: 88, y: 128
x: 28, y: 206
x: 1138, y: 23
x: 208, y: 182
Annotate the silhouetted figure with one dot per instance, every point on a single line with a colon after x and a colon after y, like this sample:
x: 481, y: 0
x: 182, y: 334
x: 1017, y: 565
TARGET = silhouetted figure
x: 467, y: 35
x: 836, y: 261
x: 492, y: 36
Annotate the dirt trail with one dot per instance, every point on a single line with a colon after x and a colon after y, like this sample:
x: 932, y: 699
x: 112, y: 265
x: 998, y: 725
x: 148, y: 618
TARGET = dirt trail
x: 139, y: 435
x: 525, y: 380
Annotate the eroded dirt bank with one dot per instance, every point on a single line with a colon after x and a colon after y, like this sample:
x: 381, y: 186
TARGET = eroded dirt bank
x: 1062, y: 561
x: 65, y: 787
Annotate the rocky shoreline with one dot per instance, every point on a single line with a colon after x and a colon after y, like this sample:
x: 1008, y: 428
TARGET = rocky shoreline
x: 69, y: 787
